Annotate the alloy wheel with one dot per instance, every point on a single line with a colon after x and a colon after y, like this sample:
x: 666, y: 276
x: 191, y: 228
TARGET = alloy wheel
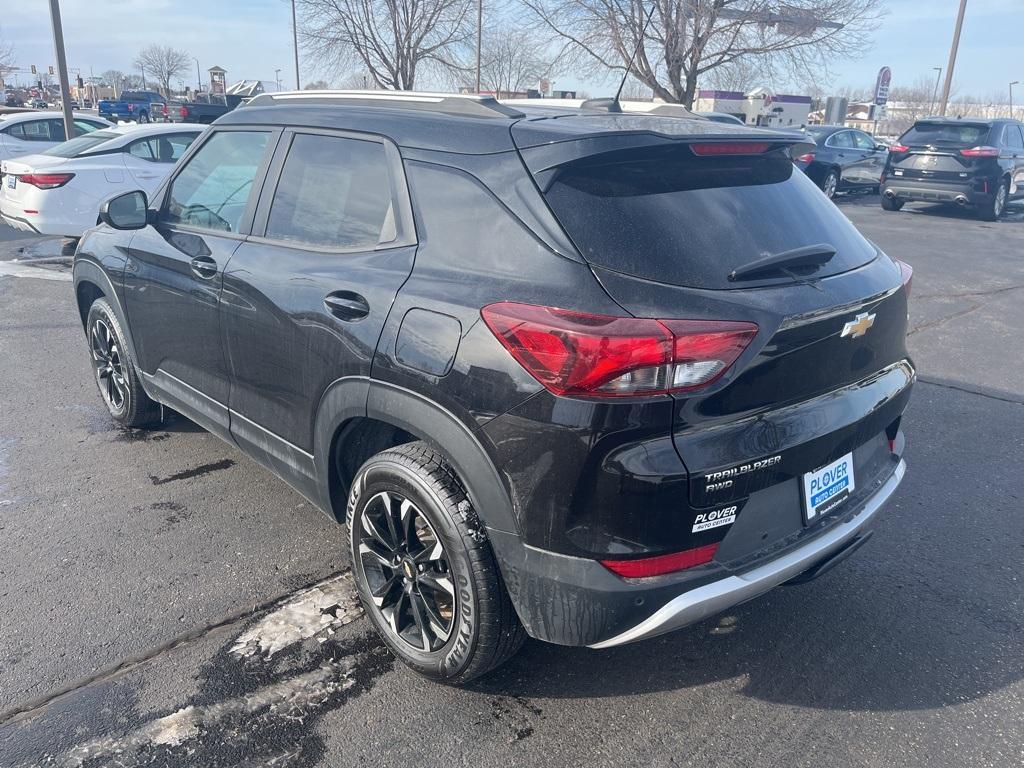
x: 108, y: 365
x: 406, y: 571
x: 829, y: 188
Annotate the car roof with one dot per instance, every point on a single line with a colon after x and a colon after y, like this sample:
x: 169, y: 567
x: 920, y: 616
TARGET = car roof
x: 130, y: 133
x: 19, y: 117
x: 465, y: 124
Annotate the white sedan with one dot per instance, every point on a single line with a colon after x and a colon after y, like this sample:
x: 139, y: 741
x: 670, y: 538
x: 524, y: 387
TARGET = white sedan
x: 25, y: 133
x: 59, y: 192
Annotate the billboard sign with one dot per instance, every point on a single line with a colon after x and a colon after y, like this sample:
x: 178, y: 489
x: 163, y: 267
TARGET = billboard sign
x: 882, y: 85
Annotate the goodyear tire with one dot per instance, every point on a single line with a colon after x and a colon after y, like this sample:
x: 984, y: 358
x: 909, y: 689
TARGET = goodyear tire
x: 424, y: 570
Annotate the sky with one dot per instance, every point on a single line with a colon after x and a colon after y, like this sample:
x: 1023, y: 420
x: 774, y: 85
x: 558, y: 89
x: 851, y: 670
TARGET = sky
x: 252, y: 38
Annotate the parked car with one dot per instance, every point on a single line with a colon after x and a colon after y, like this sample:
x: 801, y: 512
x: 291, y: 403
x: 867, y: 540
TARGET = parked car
x: 40, y: 104
x: 722, y: 117
x: 973, y: 163
x: 140, y: 106
x: 25, y: 133
x: 204, y: 110
x: 434, y: 316
x: 844, y: 159
x: 59, y: 191
x: 14, y: 101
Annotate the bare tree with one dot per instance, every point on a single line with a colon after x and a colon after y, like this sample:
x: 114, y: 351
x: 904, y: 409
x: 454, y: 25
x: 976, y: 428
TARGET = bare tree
x: 6, y: 56
x: 393, y: 40
x: 115, y: 79
x: 316, y: 85
x: 513, y: 60
x: 163, y: 64
x: 687, y: 40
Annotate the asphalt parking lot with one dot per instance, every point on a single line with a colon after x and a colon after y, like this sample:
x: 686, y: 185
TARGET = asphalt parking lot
x: 165, y: 601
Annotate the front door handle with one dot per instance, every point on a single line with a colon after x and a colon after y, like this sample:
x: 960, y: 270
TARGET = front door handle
x: 346, y: 305
x: 204, y: 267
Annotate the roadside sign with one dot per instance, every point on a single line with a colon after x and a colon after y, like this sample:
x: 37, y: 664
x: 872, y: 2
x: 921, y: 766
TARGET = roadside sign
x: 51, y: 69
x: 882, y: 85
x: 545, y: 86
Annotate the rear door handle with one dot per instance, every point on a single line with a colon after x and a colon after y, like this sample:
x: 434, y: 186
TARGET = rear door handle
x: 346, y: 305
x: 204, y: 267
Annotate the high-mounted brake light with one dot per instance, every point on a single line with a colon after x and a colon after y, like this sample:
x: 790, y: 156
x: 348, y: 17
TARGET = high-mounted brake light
x: 898, y: 148
x: 907, y: 273
x: 730, y: 148
x: 584, y: 355
x: 980, y: 152
x: 661, y: 564
x: 46, y: 180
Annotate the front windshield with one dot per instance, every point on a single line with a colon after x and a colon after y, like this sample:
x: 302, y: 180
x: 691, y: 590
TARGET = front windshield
x: 77, y: 146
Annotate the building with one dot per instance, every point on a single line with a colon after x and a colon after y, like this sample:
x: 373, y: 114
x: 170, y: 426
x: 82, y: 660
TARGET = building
x: 757, y: 107
x: 218, y: 76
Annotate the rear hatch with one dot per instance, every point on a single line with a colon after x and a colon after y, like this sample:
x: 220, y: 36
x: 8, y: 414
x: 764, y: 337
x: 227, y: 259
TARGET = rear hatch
x: 671, y: 223
x: 942, y: 151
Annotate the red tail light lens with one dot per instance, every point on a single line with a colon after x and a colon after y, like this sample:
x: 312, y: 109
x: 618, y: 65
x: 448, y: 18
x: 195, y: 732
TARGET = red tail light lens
x: 806, y: 157
x: 908, y: 275
x: 661, y: 564
x: 584, y: 355
x: 730, y: 148
x: 980, y: 152
x: 131, y: 107
x: 898, y: 148
x: 184, y: 111
x: 165, y: 110
x: 46, y: 180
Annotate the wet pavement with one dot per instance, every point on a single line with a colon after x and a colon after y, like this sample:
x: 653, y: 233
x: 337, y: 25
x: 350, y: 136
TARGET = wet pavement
x: 164, y: 601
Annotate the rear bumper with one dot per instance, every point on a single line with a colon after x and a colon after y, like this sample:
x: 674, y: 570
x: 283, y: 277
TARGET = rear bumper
x: 697, y: 604
x: 961, y: 193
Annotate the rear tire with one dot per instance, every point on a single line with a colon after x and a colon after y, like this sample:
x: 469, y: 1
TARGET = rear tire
x: 114, y: 369
x: 144, y: 117
x: 995, y: 207
x: 891, y: 203
x: 830, y: 183
x: 423, y: 569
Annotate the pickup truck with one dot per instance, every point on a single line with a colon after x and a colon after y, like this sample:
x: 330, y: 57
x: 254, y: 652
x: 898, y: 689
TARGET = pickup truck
x: 140, y: 106
x: 205, y: 109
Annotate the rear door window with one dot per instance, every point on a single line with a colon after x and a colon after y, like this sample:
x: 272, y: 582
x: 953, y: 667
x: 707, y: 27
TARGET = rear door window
x: 862, y: 141
x: 34, y: 130
x: 959, y: 135
x: 1012, y: 137
x: 214, y: 189
x: 334, y: 192
x: 667, y: 215
x: 843, y: 140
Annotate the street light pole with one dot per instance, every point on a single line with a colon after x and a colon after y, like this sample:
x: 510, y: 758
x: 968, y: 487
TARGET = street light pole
x: 479, y: 39
x: 199, y: 77
x: 295, y: 44
x: 62, y: 69
x: 952, y: 57
x: 935, y: 90
x: 1012, y: 83
x: 277, y: 78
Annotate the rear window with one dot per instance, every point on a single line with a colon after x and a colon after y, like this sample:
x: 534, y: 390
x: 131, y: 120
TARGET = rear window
x: 77, y: 146
x: 946, y: 134
x: 667, y: 215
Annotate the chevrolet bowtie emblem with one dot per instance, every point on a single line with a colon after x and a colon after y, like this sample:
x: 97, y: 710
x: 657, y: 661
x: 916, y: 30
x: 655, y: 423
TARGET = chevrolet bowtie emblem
x: 858, y: 326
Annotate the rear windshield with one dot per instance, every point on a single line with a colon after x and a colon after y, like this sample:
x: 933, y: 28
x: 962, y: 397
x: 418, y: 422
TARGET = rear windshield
x: 946, y: 134
x: 667, y: 215
x: 77, y: 146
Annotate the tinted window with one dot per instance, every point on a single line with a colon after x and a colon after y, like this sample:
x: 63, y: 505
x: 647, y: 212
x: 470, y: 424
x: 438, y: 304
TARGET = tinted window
x: 83, y: 127
x: 333, y: 192
x: 1012, y: 137
x: 161, y: 149
x: 34, y: 130
x: 862, y: 141
x: 667, y: 215
x: 213, y: 190
x: 81, y: 144
x: 948, y: 134
x: 842, y: 139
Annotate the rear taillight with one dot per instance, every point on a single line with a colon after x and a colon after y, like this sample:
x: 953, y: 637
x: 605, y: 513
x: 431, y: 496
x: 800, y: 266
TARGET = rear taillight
x: 46, y: 180
x: 806, y: 157
x: 730, y: 148
x: 131, y: 107
x: 584, y: 355
x: 980, y: 152
x: 907, y: 273
x: 898, y: 149
x: 165, y: 110
x: 184, y: 111
x: 661, y: 564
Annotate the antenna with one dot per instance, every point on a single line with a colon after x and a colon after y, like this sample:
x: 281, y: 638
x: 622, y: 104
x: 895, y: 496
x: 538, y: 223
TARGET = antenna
x: 639, y: 42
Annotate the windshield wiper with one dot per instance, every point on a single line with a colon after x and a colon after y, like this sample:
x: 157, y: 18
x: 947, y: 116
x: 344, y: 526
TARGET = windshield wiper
x: 785, y: 262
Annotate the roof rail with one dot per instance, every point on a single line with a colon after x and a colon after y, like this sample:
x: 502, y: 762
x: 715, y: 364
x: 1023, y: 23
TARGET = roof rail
x: 470, y: 105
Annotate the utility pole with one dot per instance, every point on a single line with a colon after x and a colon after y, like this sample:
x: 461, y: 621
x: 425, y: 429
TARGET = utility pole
x: 277, y: 78
x: 1013, y: 83
x: 479, y: 39
x: 935, y: 90
x: 199, y: 77
x: 952, y: 57
x: 295, y: 45
x: 62, y: 69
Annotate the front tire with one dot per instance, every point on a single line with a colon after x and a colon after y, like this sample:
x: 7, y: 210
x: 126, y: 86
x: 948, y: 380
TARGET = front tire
x: 830, y: 183
x: 114, y: 369
x: 995, y: 207
x: 424, y: 570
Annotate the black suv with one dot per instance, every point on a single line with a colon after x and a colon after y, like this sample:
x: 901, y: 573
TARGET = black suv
x: 583, y: 375
x: 973, y: 163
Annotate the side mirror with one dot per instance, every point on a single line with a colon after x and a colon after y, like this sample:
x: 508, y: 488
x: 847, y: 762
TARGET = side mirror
x: 127, y: 211
x: 881, y: 148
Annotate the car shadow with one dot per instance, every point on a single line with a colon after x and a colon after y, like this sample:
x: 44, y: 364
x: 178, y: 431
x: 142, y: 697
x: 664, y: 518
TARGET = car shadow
x: 1014, y: 209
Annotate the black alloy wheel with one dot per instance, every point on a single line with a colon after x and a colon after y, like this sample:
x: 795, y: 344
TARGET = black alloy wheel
x: 108, y: 365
